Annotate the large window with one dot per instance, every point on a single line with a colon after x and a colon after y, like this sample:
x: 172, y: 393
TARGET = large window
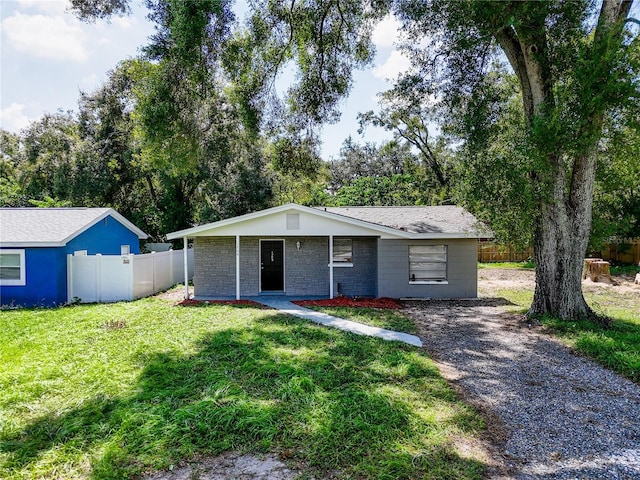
x: 12, y: 270
x: 427, y: 263
x: 342, y: 252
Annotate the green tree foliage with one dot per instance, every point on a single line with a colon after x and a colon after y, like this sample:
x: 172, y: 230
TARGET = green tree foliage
x: 92, y: 10
x: 197, y: 145
x: 357, y: 161
x: 10, y: 159
x: 387, y: 175
x: 48, y: 167
x: 106, y: 127
x: 408, y: 117
x: 296, y: 168
x: 121, y: 152
x: 617, y: 193
x: 493, y: 181
x: 326, y: 39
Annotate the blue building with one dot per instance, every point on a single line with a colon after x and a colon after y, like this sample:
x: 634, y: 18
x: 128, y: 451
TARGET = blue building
x: 35, y: 242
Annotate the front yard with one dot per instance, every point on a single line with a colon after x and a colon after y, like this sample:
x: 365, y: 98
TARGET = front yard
x: 121, y: 390
x: 116, y: 391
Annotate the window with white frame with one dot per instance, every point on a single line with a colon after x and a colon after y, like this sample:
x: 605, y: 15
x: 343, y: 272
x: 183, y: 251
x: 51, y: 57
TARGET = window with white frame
x: 427, y: 263
x: 12, y: 268
x: 342, y: 251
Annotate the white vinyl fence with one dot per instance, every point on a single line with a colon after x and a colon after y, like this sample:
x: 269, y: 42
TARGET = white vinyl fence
x: 112, y: 278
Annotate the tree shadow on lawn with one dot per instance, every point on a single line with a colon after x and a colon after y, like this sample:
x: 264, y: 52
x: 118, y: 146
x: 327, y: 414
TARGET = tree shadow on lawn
x: 329, y: 401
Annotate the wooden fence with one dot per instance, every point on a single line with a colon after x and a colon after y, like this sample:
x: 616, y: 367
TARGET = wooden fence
x: 491, y: 252
x: 625, y: 251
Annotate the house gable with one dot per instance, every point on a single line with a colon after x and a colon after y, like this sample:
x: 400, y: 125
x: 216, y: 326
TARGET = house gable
x: 289, y: 220
x: 105, y: 237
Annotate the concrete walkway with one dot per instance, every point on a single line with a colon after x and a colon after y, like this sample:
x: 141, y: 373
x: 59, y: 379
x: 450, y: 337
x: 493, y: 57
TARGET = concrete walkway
x: 286, y: 306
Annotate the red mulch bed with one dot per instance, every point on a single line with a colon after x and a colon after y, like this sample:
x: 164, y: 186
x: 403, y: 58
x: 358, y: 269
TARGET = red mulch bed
x: 236, y: 303
x: 389, y: 303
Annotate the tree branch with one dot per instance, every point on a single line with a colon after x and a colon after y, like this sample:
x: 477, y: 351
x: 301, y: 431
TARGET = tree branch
x: 510, y: 45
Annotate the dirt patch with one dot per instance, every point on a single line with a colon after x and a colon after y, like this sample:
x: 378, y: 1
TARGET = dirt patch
x: 174, y: 294
x: 618, y: 283
x: 492, y: 279
x: 229, y: 466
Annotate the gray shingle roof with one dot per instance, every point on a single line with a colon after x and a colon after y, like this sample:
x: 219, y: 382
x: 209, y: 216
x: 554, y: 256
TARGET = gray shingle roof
x: 32, y: 226
x: 418, y: 219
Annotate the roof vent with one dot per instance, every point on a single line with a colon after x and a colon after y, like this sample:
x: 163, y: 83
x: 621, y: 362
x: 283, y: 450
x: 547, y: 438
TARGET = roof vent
x: 293, y: 221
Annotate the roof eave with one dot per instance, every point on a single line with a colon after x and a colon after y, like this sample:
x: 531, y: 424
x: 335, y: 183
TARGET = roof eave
x: 30, y: 244
x: 446, y: 235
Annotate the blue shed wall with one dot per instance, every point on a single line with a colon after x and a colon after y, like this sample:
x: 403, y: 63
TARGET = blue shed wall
x: 104, y: 237
x: 45, y: 276
x: 46, y: 268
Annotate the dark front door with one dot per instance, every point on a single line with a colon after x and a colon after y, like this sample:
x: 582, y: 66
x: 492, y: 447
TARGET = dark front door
x: 272, y: 265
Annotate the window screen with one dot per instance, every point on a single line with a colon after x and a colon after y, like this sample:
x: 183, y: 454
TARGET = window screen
x: 427, y: 263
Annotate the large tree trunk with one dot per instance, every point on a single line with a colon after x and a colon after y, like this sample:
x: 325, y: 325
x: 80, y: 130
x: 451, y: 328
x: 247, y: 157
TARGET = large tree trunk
x: 560, y: 243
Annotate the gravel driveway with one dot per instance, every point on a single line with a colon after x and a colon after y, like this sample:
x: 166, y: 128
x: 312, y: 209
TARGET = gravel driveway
x: 552, y: 414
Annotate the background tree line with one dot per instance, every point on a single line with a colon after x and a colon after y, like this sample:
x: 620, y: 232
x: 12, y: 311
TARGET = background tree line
x: 105, y: 155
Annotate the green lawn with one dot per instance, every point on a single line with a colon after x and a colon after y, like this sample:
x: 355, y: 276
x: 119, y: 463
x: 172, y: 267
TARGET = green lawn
x: 113, y: 391
x: 528, y: 265
x: 616, y: 347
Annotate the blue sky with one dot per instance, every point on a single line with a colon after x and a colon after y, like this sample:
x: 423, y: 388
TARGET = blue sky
x: 47, y: 57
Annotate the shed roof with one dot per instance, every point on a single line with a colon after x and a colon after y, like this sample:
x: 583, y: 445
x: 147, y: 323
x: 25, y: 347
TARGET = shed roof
x: 52, y: 227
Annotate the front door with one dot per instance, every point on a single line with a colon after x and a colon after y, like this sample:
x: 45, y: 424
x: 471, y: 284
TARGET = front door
x: 272, y: 265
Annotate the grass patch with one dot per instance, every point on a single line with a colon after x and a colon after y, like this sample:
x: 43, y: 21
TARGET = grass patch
x: 528, y: 265
x: 376, y: 317
x: 624, y: 269
x: 113, y: 391
x: 617, y: 347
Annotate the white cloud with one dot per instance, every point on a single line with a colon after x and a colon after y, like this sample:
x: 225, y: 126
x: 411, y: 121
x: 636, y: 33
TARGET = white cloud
x: 125, y: 22
x: 386, y: 32
x: 90, y: 82
x: 46, y: 37
x: 395, y: 64
x: 13, y: 118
